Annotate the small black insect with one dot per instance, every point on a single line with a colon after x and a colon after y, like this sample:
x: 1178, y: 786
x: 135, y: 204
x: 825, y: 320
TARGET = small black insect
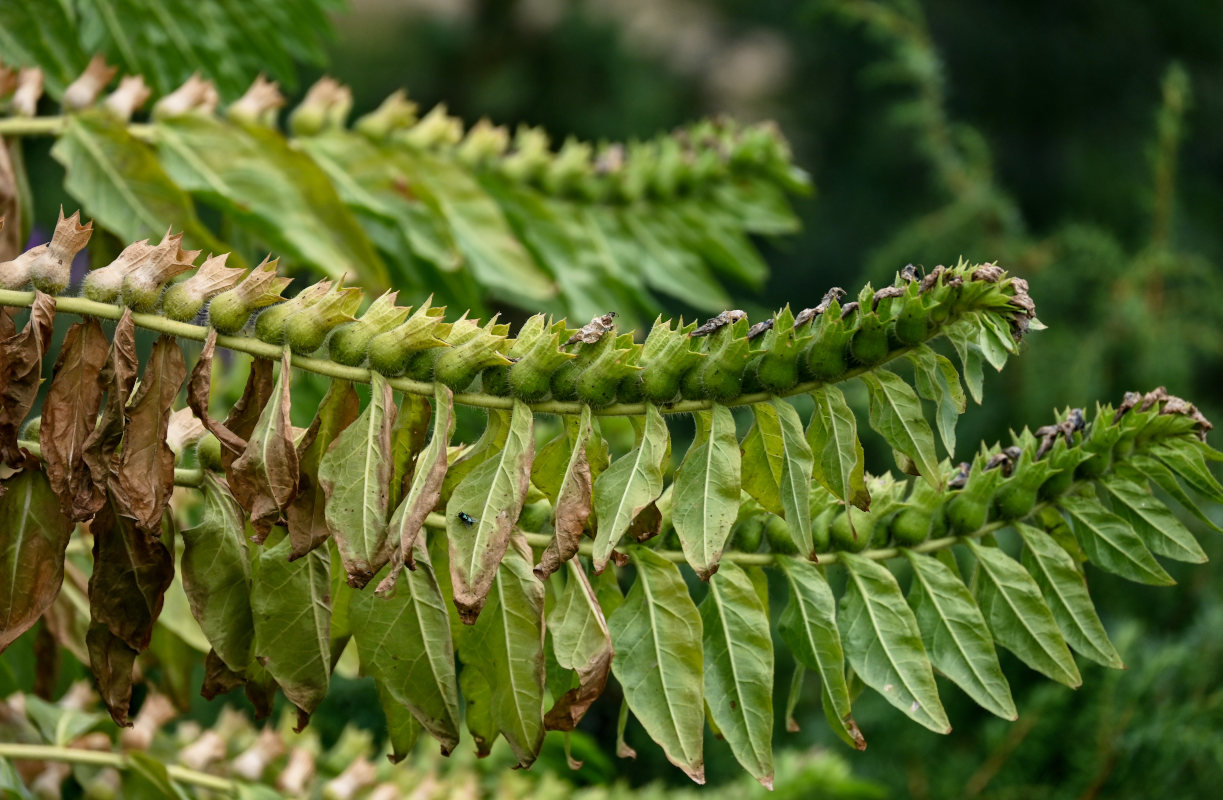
x: 467, y: 519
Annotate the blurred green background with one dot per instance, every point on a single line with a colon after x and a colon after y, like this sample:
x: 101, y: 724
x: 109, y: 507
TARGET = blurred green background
x: 1076, y: 144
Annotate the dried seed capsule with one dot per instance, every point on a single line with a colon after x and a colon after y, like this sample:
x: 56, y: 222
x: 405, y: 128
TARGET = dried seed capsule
x: 104, y: 284
x: 143, y: 284
x: 52, y: 268
x: 270, y: 325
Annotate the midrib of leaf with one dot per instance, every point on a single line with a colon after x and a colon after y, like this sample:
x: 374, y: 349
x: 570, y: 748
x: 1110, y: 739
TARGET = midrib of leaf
x: 22, y: 528
x: 116, y: 30
x: 658, y: 658
x: 99, y: 159
x: 167, y: 135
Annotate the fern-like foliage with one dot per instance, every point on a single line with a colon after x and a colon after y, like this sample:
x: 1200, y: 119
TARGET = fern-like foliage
x: 417, y: 203
x: 481, y: 585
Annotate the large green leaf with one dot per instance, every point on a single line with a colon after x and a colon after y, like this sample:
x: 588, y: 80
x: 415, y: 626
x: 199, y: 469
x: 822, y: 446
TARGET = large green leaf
x: 705, y: 497
x: 491, y: 495
x: 216, y: 574
x: 630, y: 484
x: 42, y: 35
x: 119, y: 182
x: 937, y: 380
x: 1111, y: 543
x: 404, y: 643
x: 1141, y: 468
x: 956, y: 636
x: 1065, y: 590
x: 839, y: 463
x: 1154, y: 523
x: 582, y: 643
x: 656, y: 633
x: 291, y: 601
x: 1185, y: 459
x: 883, y: 643
x: 1021, y: 622
x: 355, y: 474
x: 506, y: 644
x: 739, y: 669
x: 272, y: 189
x: 808, y: 626
x: 896, y: 414
x: 36, y: 533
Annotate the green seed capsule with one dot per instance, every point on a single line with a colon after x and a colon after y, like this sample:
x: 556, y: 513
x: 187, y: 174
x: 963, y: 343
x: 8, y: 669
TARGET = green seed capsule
x: 690, y: 385
x: 775, y: 373
x: 228, y: 312
x: 748, y: 533
x: 420, y: 365
x: 1095, y: 466
x: 565, y: 380
x: 912, y: 324
x: 632, y: 388
x: 305, y: 333
x: 966, y: 514
x: 869, y: 345
x: 529, y: 380
x: 1057, y: 485
x: 855, y: 538
x: 777, y: 534
x: 659, y: 386
x: 1014, y: 500
x: 495, y: 380
x: 270, y: 324
x: 910, y: 526
x: 208, y: 453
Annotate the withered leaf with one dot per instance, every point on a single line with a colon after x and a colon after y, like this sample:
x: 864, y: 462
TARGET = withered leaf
x: 69, y: 415
x: 21, y: 356
x: 306, y: 515
x: 35, y: 534
x: 218, y: 678
x: 245, y: 413
x: 264, y: 477
x: 117, y: 378
x: 199, y: 389
x: 10, y: 206
x: 146, y: 464
x: 582, y: 643
x: 131, y: 572
x: 573, y: 502
x: 408, y: 439
x: 112, y: 661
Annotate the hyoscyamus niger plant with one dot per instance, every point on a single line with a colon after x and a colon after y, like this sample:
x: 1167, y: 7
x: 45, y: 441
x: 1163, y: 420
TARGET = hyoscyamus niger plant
x: 481, y: 585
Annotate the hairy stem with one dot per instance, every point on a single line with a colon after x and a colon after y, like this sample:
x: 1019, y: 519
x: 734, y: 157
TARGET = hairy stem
x: 73, y: 755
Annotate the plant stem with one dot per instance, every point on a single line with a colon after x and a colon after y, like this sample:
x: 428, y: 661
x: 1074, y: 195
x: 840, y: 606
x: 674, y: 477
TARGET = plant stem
x: 320, y: 366
x: 73, y: 755
x: 182, y: 477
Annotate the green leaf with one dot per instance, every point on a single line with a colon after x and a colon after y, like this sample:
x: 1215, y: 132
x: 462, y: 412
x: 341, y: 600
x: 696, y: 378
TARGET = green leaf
x: 739, y: 669
x: 1185, y: 459
x: 355, y: 474
x: 478, y: 705
x: 629, y: 485
x: 36, y: 533
x: 507, y: 644
x: 120, y: 183
x: 808, y: 626
x: 1142, y: 467
x: 1154, y: 523
x: 937, y: 380
x: 1065, y: 590
x: 1018, y: 616
x: 956, y: 636
x: 402, y: 729
x: 580, y: 642
x: 706, y: 493
x: 896, y: 414
x: 291, y: 601
x: 963, y: 336
x: 272, y: 189
x: 790, y: 448
x: 839, y: 462
x: 11, y: 785
x: 216, y: 574
x: 422, y: 496
x: 492, y: 494
x: 44, y: 36
x: 404, y: 644
x: 883, y: 643
x: 657, y: 637
x: 758, y: 477
x: 1110, y: 542
x: 672, y: 268
x: 59, y: 725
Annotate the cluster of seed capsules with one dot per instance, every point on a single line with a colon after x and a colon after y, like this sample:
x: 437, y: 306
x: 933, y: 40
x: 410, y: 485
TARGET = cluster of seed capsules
x: 1000, y: 485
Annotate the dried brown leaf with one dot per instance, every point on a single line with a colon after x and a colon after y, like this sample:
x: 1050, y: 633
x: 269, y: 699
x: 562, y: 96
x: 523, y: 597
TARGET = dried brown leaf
x: 131, y: 572
x: 146, y: 464
x: 570, y: 707
x: 10, y: 208
x: 573, y: 504
x: 264, y: 477
x: 118, y: 377
x: 218, y: 678
x: 306, y: 514
x: 199, y: 389
x: 70, y: 414
x: 245, y: 413
x: 21, y: 359
x: 112, y: 662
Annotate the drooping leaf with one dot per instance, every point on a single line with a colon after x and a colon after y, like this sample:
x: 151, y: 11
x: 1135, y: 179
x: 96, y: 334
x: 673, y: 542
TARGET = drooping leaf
x: 119, y: 182
x: 404, y: 643
x: 264, y: 477
x: 272, y: 189
x: 580, y: 642
x: 1021, y: 622
x: 291, y: 603
x: 146, y: 464
x: 963, y: 336
x: 839, y: 463
x: 1111, y: 543
x: 706, y: 493
x: 111, y: 660
x: 937, y: 380
x: 216, y: 575
x: 355, y: 474
x: 797, y: 467
x: 1143, y: 467
x: 761, y: 476
x: 36, y: 532
x: 132, y: 569
x: 402, y: 729
x: 1154, y: 523
x: 1065, y: 590
x: 478, y: 707
x: 506, y: 643
x: 883, y: 643
x: 422, y: 496
x: 808, y: 626
x: 896, y: 414
x: 630, y: 484
x: 199, y: 391
x: 739, y: 669
x: 956, y: 636
x: 656, y: 634
x: 573, y: 500
x: 70, y: 413
x: 21, y: 356
x: 306, y: 516
x: 1186, y: 460
x: 492, y: 494
x: 119, y: 376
